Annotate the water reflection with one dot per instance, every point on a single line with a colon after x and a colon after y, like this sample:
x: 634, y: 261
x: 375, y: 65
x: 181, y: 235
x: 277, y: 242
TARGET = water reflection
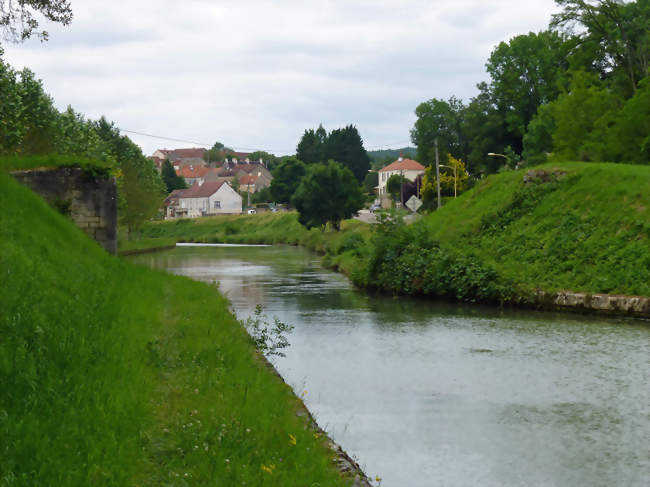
x: 428, y: 393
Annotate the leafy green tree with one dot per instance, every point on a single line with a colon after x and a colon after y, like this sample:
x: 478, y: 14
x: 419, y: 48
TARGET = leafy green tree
x: 270, y: 160
x: 346, y: 147
x: 578, y: 132
x: 262, y: 196
x: 19, y: 19
x: 311, y: 148
x: 79, y: 136
x: 442, y: 120
x: 140, y: 187
x: 394, y: 185
x: 454, y: 179
x: 524, y: 75
x: 538, y: 141
x: 485, y: 130
x: 286, y: 178
x: 370, y: 182
x: 216, y: 153
x: 628, y: 137
x: 327, y: 194
x: 11, y: 108
x: 170, y: 178
x: 614, y: 38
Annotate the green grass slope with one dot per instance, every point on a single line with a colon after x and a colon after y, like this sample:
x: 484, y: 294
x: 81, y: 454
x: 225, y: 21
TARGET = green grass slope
x: 586, y: 230
x: 265, y: 228
x: 112, y: 374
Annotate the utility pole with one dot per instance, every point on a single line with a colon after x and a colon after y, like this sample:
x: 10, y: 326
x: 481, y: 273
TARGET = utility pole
x: 401, y: 188
x: 437, y: 172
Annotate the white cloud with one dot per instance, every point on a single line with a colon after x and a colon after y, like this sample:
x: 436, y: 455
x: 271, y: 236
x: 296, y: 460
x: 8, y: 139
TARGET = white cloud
x: 257, y: 73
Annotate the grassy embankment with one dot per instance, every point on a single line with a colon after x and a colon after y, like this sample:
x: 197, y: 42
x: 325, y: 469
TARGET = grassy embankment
x: 587, y: 228
x: 113, y: 374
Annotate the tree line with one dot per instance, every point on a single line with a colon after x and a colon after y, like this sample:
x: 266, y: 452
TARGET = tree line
x: 323, y: 180
x: 576, y: 91
x: 31, y: 125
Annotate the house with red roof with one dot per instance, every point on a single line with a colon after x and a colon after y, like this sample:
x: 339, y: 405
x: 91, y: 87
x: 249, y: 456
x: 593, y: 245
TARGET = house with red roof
x: 209, y: 198
x: 193, y: 174
x: 408, y: 168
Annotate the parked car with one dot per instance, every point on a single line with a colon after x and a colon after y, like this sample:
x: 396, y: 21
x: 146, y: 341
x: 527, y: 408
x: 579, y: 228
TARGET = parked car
x: 252, y: 211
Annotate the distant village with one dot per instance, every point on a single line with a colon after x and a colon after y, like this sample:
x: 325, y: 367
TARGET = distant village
x: 212, y: 185
x: 216, y: 187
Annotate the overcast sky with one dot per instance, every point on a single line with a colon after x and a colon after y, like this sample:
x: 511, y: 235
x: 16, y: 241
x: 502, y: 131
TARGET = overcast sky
x: 256, y: 74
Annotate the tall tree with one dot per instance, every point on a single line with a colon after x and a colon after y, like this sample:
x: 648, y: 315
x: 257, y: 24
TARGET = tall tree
x: 170, y: 178
x: 286, y: 178
x: 524, y: 75
x: 614, y: 33
x: 346, y: 147
x: 328, y: 193
x: 485, y: 131
x: 311, y: 148
x: 140, y: 187
x: 442, y: 120
x: 19, y: 19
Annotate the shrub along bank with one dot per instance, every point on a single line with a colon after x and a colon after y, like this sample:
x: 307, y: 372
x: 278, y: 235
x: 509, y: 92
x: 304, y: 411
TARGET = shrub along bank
x: 113, y: 374
x: 582, y: 227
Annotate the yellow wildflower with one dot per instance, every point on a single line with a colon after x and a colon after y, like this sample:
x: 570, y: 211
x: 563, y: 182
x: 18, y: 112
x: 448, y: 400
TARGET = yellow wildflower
x: 268, y: 469
x: 292, y: 439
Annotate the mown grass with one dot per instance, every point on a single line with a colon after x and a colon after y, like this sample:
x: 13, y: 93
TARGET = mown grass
x: 113, y: 374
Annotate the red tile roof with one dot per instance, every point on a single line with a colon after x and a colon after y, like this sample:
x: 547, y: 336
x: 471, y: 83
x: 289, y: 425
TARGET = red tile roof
x: 187, y: 153
x: 202, y: 191
x: 193, y: 171
x: 248, y: 179
x: 403, y: 165
x: 248, y: 166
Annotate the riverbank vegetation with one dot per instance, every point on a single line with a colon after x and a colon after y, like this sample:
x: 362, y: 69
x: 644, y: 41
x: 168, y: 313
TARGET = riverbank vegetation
x: 113, y: 374
x: 571, y: 226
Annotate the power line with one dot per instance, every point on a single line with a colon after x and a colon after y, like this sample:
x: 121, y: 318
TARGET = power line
x: 173, y: 139
x: 185, y: 141
x: 163, y: 138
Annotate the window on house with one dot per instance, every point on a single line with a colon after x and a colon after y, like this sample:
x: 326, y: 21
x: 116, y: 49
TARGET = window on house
x: 217, y: 204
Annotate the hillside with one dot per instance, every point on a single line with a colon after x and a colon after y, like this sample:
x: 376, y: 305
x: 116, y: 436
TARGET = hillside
x: 114, y: 374
x: 586, y: 228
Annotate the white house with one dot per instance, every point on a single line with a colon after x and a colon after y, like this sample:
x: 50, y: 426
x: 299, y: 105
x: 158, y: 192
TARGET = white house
x: 408, y: 168
x: 209, y: 198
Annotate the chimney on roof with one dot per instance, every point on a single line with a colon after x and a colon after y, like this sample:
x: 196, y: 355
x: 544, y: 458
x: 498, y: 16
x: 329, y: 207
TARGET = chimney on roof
x: 401, y: 157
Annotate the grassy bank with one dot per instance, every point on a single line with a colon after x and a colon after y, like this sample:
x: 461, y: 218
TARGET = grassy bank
x: 114, y: 374
x: 575, y: 226
x: 265, y: 228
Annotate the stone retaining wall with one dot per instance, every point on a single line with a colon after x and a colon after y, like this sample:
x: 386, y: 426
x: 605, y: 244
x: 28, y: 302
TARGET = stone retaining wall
x: 608, y: 303
x: 89, y: 199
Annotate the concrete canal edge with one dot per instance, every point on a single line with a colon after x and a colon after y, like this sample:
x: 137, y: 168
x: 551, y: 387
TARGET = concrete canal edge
x: 148, y: 250
x: 614, y: 304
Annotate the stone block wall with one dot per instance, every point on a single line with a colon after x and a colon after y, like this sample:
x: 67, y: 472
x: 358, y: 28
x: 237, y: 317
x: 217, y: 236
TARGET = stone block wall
x: 90, y: 200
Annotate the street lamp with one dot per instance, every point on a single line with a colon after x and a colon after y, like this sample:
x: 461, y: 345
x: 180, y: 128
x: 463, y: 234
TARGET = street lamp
x: 494, y: 154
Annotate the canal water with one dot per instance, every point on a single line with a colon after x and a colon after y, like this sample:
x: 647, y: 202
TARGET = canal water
x: 436, y: 394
